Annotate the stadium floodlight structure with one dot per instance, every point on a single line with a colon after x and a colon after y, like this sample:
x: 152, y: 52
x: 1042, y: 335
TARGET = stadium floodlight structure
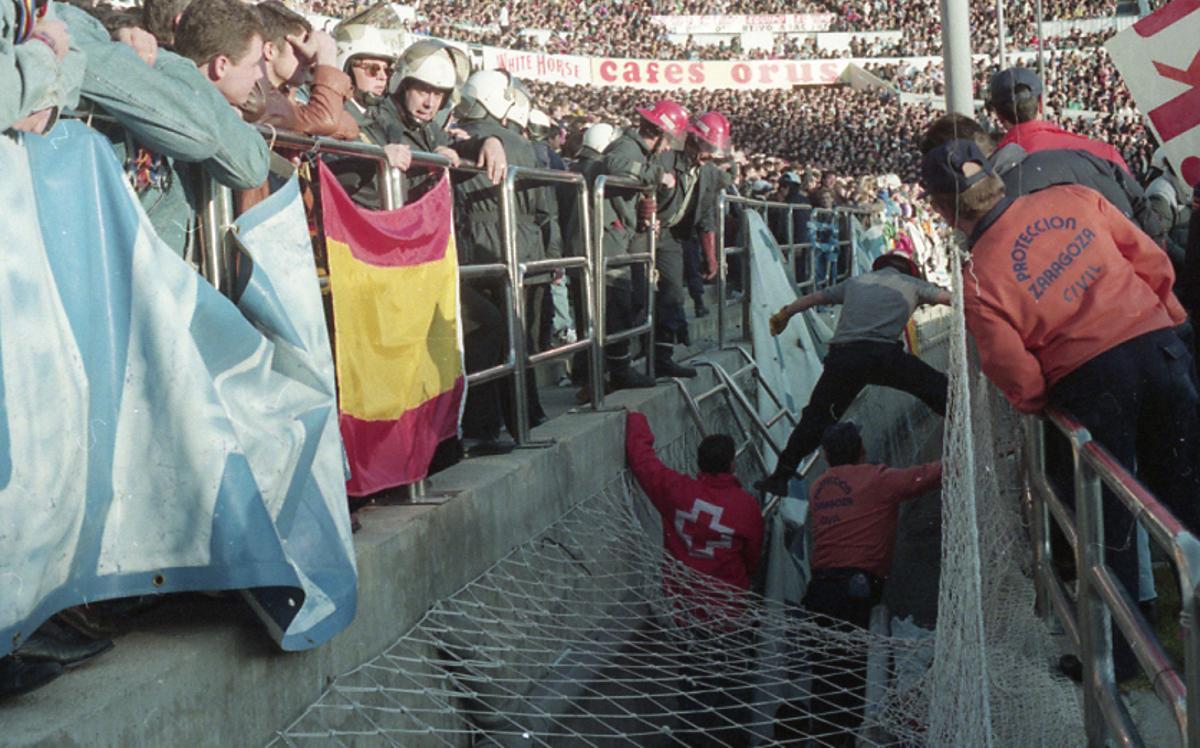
x: 956, y: 56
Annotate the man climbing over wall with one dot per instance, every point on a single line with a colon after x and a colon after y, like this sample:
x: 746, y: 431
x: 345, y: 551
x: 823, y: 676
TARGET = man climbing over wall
x: 854, y: 508
x: 713, y: 526
x: 865, y: 349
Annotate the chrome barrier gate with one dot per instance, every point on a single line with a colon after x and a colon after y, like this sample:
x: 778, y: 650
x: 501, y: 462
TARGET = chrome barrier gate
x: 803, y: 284
x: 519, y: 271
x: 1086, y: 615
x: 603, y: 264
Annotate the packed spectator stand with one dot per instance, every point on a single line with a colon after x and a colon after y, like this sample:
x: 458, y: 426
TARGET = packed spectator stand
x: 852, y: 147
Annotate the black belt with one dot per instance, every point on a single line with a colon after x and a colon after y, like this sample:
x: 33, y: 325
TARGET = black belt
x: 846, y: 575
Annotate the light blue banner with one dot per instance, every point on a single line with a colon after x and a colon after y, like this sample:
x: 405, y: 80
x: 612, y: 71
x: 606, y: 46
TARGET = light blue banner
x: 154, y: 437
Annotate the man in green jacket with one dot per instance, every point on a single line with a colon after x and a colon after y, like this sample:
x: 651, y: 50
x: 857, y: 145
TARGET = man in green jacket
x: 174, y: 122
x: 628, y: 217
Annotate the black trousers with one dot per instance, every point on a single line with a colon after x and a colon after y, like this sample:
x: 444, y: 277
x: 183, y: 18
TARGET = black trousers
x: 849, y: 367
x: 839, y: 674
x: 670, y: 317
x: 484, y: 343
x: 691, y: 270
x: 716, y: 693
x: 1138, y: 400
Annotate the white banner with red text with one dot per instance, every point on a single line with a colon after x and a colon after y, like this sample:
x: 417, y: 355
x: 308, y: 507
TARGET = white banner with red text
x: 539, y: 66
x: 781, y: 23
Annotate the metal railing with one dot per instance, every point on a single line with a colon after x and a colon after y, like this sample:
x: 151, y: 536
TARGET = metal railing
x: 804, y: 284
x: 216, y: 223
x: 603, y: 264
x: 1101, y: 597
x: 519, y: 271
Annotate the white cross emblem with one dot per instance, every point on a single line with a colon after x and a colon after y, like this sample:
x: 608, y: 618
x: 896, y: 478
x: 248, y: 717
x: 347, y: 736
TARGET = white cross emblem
x: 685, y: 519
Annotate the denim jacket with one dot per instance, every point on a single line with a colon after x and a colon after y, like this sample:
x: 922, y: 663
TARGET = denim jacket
x: 32, y: 78
x: 168, y: 118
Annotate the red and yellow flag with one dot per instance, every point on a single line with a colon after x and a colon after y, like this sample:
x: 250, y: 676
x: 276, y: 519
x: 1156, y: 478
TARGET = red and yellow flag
x: 394, y: 280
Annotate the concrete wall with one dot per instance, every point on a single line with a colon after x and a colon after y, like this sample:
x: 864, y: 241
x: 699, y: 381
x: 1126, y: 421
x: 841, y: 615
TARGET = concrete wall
x: 199, y: 671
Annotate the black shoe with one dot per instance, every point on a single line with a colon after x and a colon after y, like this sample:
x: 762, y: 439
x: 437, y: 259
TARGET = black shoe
x: 53, y: 642
x: 18, y: 676
x: 486, y: 447
x: 701, y: 310
x: 669, y: 367
x: 629, y: 378
x: 773, y: 484
x: 1070, y: 666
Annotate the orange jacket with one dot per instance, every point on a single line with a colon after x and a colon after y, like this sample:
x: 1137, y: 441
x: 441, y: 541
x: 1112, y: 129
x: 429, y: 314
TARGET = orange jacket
x: 1057, y: 279
x: 854, y: 512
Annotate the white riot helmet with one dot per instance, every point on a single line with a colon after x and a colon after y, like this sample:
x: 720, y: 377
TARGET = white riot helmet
x: 523, y: 103
x: 434, y: 63
x: 540, y: 125
x: 598, y: 136
x: 487, y: 92
x: 362, y: 41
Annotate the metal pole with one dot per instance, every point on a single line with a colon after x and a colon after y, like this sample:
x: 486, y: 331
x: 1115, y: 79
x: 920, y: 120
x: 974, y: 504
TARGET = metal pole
x: 722, y: 210
x: 1041, y: 45
x: 389, y: 197
x: 1094, y: 629
x: 216, y: 215
x: 956, y: 56
x: 598, y: 280
x: 516, y: 280
x: 1035, y: 468
x: 651, y: 292
x: 1188, y: 621
x: 587, y: 283
x: 790, y: 254
x: 1000, y: 34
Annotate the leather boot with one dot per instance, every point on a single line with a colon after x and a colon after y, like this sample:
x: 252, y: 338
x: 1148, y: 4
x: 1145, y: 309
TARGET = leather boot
x: 666, y: 366
x: 18, y: 675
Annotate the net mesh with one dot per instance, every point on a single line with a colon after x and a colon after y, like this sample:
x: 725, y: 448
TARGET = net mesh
x: 590, y: 635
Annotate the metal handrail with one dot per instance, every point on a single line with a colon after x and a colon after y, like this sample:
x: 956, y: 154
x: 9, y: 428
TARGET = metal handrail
x: 1100, y: 596
x: 600, y: 185
x: 518, y: 271
x: 808, y: 284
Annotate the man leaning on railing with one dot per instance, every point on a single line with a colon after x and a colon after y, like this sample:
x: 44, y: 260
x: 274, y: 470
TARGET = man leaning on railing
x: 1070, y: 305
x: 178, y: 113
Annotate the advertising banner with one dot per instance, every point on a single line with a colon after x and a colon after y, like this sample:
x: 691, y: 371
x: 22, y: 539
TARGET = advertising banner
x: 781, y: 23
x: 659, y: 75
x: 538, y: 66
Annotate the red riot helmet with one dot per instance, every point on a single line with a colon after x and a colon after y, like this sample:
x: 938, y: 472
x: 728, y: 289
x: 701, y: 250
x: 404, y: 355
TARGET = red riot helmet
x: 901, y: 257
x: 711, y: 133
x: 669, y: 117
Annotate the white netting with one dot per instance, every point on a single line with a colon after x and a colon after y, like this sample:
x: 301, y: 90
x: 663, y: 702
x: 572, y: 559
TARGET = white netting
x: 992, y: 682
x: 583, y: 636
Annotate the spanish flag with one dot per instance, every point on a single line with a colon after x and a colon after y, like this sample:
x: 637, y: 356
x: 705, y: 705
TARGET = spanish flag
x: 394, y: 280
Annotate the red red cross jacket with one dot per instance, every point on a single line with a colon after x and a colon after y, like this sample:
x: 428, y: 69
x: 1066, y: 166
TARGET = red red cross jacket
x: 710, y: 522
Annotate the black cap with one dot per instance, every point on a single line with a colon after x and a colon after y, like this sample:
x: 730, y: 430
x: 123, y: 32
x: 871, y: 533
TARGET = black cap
x: 843, y: 434
x: 1003, y: 88
x: 942, y: 168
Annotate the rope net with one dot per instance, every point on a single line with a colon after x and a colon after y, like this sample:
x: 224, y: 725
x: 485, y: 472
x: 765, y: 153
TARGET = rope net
x: 590, y: 635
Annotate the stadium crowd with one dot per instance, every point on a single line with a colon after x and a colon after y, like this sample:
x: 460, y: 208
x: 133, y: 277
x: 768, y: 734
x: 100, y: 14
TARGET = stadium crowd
x: 219, y: 67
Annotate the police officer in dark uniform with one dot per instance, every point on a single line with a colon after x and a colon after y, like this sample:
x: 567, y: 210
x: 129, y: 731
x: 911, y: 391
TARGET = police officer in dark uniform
x: 489, y: 101
x: 627, y: 218
x: 686, y: 212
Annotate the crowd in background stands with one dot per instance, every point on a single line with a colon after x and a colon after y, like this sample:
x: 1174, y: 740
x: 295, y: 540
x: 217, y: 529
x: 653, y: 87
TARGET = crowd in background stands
x: 826, y: 127
x: 624, y: 28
